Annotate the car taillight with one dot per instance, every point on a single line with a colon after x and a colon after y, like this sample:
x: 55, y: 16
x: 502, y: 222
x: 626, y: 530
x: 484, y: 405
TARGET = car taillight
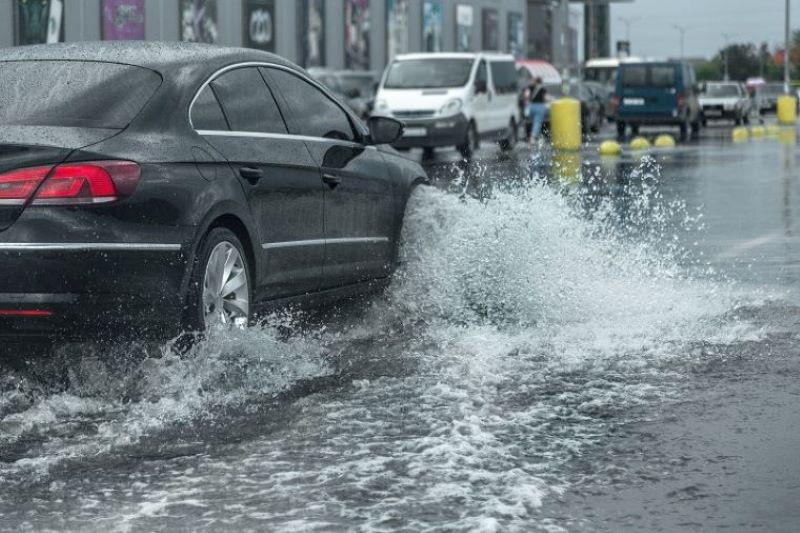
x: 17, y: 187
x: 681, y: 100
x: 70, y: 184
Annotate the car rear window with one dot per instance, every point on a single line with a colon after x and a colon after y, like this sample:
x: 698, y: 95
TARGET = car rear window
x: 73, y: 93
x: 661, y: 76
x: 634, y: 76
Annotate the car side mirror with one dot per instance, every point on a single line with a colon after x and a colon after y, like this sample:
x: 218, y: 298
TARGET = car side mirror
x: 384, y: 130
x: 480, y: 87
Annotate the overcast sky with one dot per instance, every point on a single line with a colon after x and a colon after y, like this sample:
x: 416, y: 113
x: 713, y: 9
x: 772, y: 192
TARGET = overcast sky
x: 653, y: 33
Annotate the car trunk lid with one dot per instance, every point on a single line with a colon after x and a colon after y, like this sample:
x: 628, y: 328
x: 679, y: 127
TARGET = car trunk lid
x: 24, y: 147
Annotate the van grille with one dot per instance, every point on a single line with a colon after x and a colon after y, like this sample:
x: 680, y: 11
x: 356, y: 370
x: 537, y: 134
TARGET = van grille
x: 413, y: 114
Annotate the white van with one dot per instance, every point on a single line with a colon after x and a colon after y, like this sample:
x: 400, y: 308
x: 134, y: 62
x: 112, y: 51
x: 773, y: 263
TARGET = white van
x: 449, y: 99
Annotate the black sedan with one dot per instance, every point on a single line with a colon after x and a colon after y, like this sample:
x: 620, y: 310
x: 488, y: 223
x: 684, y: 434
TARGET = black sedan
x: 148, y: 188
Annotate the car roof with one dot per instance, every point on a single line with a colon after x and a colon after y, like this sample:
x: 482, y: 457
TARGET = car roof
x: 159, y: 56
x: 455, y: 55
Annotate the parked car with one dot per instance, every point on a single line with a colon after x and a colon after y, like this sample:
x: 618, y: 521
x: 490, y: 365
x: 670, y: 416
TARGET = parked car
x: 600, y: 92
x: 149, y: 188
x: 591, y: 107
x: 766, y: 95
x: 451, y: 99
x: 355, y: 88
x: 663, y: 93
x: 725, y: 100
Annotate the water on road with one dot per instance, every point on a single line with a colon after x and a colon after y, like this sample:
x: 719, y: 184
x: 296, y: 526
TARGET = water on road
x: 559, y: 338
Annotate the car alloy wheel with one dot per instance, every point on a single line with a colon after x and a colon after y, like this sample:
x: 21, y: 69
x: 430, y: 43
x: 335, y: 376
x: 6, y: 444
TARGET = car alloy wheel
x: 226, y: 290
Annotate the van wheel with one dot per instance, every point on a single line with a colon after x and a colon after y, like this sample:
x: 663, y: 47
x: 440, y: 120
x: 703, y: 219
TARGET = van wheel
x: 509, y: 143
x: 620, y: 130
x: 471, y: 143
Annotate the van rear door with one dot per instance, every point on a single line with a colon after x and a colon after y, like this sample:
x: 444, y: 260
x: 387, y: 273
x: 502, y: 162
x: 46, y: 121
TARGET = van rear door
x: 649, y: 89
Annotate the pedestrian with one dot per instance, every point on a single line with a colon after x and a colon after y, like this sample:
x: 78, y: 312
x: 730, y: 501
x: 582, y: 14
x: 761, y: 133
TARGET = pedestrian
x: 536, y: 107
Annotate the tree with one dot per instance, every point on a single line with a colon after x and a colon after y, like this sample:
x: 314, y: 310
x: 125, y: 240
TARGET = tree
x: 742, y: 60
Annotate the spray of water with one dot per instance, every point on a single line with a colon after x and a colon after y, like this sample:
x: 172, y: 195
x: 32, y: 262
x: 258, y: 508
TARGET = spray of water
x: 519, y: 328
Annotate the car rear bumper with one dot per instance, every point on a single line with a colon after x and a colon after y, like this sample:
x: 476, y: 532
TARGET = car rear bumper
x: 655, y: 120
x: 427, y: 133
x: 111, y: 282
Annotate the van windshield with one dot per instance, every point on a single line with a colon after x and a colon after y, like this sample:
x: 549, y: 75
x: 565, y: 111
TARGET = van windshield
x: 428, y: 73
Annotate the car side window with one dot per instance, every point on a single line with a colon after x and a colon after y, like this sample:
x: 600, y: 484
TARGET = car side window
x: 247, y: 102
x: 314, y: 114
x: 207, y: 113
x: 480, y: 75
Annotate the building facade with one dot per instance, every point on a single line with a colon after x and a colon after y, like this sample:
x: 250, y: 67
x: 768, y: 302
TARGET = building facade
x: 358, y: 34
x: 552, y: 28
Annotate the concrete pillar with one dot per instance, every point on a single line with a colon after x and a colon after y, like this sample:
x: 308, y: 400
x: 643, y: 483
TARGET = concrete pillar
x: 81, y: 20
x: 161, y: 20
x: 334, y: 34
x: 229, y: 23
x: 6, y: 24
x: 287, y: 26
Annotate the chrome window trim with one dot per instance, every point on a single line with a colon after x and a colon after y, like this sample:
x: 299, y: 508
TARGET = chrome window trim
x: 297, y: 73
x: 87, y: 246
x: 321, y: 242
x: 287, y: 136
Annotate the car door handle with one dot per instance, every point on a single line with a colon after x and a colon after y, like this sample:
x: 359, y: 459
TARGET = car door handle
x: 332, y: 180
x: 251, y: 174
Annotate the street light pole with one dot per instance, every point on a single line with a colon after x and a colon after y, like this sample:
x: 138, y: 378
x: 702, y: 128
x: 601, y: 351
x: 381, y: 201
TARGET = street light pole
x: 787, y: 55
x: 726, y: 52
x: 628, y: 21
x: 682, y: 30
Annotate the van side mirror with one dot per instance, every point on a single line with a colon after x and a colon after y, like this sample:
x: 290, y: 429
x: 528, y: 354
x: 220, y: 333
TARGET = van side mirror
x: 384, y: 130
x: 480, y: 87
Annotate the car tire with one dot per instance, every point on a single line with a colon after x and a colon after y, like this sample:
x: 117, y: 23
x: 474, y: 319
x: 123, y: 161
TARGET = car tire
x: 620, y: 130
x: 738, y: 120
x: 471, y: 142
x: 684, y: 131
x: 509, y: 143
x: 427, y: 153
x: 204, y: 298
x: 746, y: 120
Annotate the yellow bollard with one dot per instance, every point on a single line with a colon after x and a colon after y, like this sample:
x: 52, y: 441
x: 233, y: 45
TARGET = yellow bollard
x: 640, y: 143
x: 566, y: 166
x: 565, y: 124
x: 787, y: 109
x: 665, y: 141
x: 757, y: 132
x: 773, y: 130
x: 610, y: 148
x: 787, y: 136
x: 740, y: 135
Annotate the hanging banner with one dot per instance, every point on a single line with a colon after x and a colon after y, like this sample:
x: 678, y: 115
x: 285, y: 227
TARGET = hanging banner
x: 491, y: 30
x: 123, y: 20
x: 199, y: 21
x: 356, y: 34
x: 258, y: 29
x: 396, y: 28
x: 38, y: 21
x: 312, y: 32
x: 432, y: 24
x: 465, y: 16
x: 516, y: 35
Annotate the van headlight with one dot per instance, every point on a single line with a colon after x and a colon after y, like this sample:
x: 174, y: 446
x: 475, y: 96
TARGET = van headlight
x: 451, y: 107
x: 381, y: 106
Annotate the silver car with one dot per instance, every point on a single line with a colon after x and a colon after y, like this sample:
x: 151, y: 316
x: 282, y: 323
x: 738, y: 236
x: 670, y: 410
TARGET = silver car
x: 725, y: 101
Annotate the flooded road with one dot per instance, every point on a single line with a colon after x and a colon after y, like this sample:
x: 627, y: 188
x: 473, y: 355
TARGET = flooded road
x: 569, y: 344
